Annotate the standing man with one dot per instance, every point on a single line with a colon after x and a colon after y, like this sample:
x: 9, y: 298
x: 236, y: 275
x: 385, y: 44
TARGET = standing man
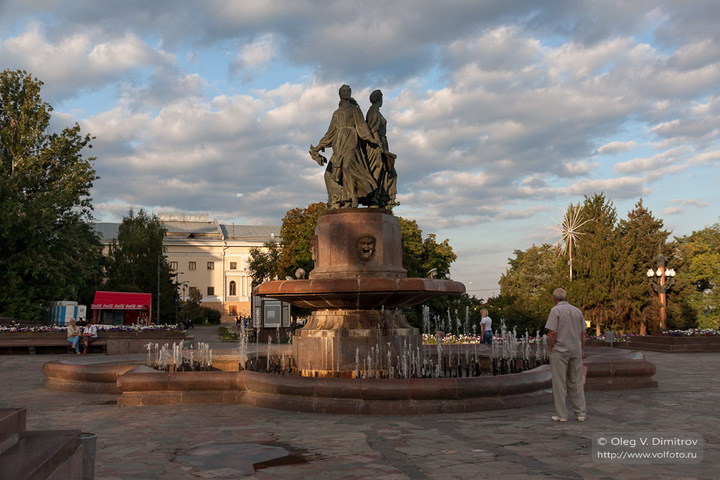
x: 566, y: 338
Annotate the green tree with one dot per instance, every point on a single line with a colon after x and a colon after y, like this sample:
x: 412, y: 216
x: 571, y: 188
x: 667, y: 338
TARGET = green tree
x: 593, y: 289
x: 296, y: 232
x: 264, y: 264
x: 526, y: 287
x: 639, y: 237
x: 516, y: 313
x: 192, y: 307
x: 699, y: 269
x: 48, y: 250
x: 422, y: 255
x: 137, y: 262
x: 281, y: 259
x: 192, y: 310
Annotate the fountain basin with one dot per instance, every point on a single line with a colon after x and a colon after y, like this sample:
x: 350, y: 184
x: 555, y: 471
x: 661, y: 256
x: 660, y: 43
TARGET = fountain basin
x: 337, y: 395
x: 359, y: 293
x: 140, y: 385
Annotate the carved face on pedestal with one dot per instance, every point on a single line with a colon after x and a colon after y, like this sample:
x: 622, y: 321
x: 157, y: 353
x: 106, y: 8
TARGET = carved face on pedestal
x: 365, y: 247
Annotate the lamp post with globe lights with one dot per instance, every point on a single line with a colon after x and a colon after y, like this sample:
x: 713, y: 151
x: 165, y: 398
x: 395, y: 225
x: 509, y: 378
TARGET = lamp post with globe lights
x: 661, y: 280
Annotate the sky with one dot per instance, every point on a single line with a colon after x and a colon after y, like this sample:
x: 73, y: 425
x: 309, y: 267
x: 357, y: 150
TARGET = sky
x: 501, y: 113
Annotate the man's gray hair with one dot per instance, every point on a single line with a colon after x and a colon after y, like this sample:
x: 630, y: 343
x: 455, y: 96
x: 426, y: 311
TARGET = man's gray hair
x: 560, y: 294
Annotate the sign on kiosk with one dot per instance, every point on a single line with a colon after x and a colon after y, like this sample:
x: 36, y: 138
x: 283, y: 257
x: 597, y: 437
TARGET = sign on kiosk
x: 121, y: 308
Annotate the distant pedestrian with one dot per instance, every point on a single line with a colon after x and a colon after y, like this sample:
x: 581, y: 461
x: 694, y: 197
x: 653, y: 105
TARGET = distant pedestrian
x: 566, y: 339
x: 73, y: 335
x: 486, y: 333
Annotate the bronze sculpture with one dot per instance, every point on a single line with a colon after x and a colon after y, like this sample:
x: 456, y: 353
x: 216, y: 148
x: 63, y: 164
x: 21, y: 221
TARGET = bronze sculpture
x: 361, y: 170
x: 380, y: 160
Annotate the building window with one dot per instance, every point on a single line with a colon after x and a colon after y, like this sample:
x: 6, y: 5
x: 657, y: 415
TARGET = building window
x: 233, y: 289
x: 233, y: 265
x: 233, y: 310
x: 193, y: 292
x: 174, y: 266
x: 211, y: 265
x: 211, y: 291
x: 192, y: 266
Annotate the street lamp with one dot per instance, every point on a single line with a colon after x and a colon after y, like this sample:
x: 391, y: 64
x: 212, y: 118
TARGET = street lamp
x: 661, y: 281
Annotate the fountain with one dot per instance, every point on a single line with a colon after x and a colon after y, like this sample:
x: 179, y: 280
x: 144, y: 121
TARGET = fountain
x: 356, y: 290
x: 357, y: 354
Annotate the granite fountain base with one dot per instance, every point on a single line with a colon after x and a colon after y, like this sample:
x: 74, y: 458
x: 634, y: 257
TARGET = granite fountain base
x: 138, y: 385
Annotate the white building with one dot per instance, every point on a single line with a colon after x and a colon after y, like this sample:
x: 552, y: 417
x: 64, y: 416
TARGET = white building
x: 209, y: 256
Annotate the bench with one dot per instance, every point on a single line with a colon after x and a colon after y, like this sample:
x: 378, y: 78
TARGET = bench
x: 47, y: 344
x: 111, y: 343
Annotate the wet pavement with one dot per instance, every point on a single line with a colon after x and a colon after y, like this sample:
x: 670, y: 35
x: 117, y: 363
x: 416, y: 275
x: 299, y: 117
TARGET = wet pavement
x: 236, y: 441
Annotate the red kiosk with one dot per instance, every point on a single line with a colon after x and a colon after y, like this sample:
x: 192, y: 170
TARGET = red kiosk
x: 121, y: 308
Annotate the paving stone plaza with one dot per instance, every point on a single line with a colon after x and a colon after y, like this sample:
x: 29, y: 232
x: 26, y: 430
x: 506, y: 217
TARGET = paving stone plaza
x: 236, y: 441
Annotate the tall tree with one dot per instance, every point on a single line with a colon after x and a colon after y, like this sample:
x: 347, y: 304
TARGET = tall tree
x: 640, y: 237
x: 137, y: 262
x: 592, y: 287
x: 48, y: 251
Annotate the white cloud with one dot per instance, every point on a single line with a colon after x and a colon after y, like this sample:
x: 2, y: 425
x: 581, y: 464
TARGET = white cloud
x: 673, y: 211
x: 614, y: 148
x: 691, y: 202
x: 497, y: 110
x: 256, y: 55
x: 706, y: 157
x: 647, y: 164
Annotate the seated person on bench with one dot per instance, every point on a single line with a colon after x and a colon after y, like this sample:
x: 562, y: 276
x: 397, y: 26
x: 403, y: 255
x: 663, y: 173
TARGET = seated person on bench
x: 73, y: 335
x: 89, y: 335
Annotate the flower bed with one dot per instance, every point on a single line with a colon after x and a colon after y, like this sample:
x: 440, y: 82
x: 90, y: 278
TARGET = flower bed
x: 693, y: 332
x: 691, y: 340
x: 118, y: 339
x: 19, y: 328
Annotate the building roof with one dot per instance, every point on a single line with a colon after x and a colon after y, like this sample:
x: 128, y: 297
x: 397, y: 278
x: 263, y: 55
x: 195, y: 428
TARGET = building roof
x: 199, y: 230
x: 252, y: 233
x: 185, y: 229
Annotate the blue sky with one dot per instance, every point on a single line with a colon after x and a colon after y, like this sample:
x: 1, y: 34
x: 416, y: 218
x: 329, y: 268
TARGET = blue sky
x: 501, y: 113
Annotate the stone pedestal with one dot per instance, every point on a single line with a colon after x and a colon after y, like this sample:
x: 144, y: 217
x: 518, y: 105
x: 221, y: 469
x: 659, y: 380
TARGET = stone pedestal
x: 358, y: 243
